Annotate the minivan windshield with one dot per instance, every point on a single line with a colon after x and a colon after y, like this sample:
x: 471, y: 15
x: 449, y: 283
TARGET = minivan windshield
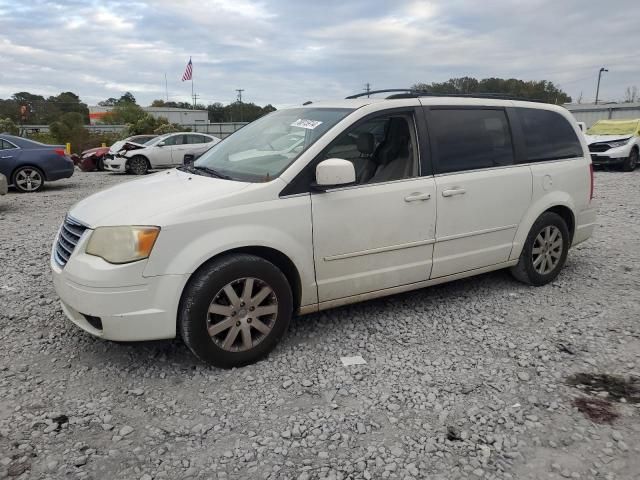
x: 263, y: 149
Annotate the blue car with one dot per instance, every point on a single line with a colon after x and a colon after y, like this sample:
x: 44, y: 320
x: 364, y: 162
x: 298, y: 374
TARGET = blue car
x: 28, y: 164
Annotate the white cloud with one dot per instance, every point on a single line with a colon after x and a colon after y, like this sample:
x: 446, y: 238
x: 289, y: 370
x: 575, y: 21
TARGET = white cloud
x: 290, y: 51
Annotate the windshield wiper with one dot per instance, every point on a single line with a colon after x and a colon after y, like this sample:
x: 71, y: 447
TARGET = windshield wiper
x: 213, y: 172
x: 199, y: 169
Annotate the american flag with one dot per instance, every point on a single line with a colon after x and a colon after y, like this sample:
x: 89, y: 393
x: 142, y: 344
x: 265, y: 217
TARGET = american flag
x: 188, y: 71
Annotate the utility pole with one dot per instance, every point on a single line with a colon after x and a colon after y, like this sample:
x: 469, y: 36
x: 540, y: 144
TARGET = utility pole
x: 598, y: 88
x: 195, y: 100
x: 367, y: 88
x: 166, y: 87
x: 240, y: 90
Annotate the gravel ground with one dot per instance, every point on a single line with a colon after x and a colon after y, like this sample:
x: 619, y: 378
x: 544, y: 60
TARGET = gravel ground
x: 464, y: 380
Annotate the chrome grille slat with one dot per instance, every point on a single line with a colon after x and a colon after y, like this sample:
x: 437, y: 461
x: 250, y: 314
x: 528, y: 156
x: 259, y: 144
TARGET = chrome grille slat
x: 65, y: 235
x: 69, y: 236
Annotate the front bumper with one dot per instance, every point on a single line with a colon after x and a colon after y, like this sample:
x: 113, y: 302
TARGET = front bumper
x: 115, y: 164
x: 612, y: 156
x: 129, y: 307
x: 600, y: 159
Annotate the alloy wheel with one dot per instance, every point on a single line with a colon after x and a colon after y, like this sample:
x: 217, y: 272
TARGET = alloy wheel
x: 28, y: 179
x: 242, y: 314
x: 547, y: 250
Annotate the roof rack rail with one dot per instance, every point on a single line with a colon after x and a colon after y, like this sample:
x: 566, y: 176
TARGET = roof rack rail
x: 411, y: 93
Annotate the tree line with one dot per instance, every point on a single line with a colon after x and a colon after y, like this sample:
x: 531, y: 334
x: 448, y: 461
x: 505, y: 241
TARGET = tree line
x: 538, y: 90
x: 29, y: 108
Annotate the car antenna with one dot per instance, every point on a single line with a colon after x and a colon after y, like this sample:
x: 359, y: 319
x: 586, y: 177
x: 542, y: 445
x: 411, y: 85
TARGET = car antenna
x: 308, y: 102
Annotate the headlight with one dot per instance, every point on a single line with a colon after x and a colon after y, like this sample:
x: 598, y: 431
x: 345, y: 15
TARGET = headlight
x: 122, y: 244
x: 618, y: 143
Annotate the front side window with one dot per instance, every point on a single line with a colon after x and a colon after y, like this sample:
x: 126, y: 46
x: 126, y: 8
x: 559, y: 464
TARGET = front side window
x: 548, y: 135
x: 263, y: 149
x: 470, y: 139
x: 382, y: 149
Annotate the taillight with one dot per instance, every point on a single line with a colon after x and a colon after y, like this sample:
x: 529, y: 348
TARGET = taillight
x: 60, y: 151
x: 591, y: 176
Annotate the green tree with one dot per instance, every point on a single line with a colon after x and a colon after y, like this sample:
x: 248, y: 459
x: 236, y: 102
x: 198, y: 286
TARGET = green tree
x: 124, y: 113
x: 8, y: 126
x: 150, y: 124
x: 109, y: 102
x: 70, y: 129
x: 127, y: 98
x: 540, y: 90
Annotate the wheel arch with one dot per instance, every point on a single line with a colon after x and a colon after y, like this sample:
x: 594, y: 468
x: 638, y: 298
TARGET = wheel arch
x: 556, y: 202
x: 276, y: 257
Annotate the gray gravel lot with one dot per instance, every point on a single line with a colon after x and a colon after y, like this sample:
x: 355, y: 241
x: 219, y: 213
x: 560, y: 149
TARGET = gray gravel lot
x: 464, y: 380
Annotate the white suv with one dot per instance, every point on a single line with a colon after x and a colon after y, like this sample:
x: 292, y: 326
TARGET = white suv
x: 385, y: 196
x: 161, y: 152
x: 615, y: 142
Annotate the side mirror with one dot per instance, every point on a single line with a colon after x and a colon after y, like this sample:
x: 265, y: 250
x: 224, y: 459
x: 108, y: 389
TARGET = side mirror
x: 334, y: 172
x: 161, y: 144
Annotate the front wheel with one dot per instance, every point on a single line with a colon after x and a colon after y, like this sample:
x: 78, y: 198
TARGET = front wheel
x: 138, y: 165
x: 545, y: 250
x: 631, y: 161
x: 235, y: 310
x: 28, y: 179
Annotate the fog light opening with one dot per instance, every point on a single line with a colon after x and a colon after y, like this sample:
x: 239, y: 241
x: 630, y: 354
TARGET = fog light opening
x: 95, y: 322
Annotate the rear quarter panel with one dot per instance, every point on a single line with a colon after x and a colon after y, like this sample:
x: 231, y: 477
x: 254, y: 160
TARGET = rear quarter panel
x: 558, y: 183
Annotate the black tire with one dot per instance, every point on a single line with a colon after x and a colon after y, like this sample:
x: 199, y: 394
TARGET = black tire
x: 525, y: 270
x: 206, y: 287
x: 29, y: 186
x: 100, y: 164
x: 631, y: 162
x: 138, y: 165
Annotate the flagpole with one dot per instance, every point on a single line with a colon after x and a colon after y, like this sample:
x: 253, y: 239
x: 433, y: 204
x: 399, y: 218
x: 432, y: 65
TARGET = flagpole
x: 193, y: 98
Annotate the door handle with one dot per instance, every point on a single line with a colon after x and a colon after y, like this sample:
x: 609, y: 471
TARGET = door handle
x: 417, y: 196
x: 8, y: 156
x: 453, y: 191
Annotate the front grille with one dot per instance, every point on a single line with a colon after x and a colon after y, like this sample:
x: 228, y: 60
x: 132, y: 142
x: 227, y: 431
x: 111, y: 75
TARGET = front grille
x: 70, y: 234
x: 599, y: 147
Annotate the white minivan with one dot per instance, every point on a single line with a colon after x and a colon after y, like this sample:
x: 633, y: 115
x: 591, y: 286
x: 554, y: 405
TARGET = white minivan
x: 383, y: 196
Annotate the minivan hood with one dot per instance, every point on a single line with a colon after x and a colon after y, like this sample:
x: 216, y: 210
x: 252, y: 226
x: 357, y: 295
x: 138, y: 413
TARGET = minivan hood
x: 142, y: 201
x: 605, y: 138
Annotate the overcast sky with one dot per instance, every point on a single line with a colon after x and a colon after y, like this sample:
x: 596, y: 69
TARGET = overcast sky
x: 286, y: 52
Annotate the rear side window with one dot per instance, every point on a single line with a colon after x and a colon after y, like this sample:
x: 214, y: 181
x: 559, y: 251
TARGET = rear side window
x: 548, y: 136
x: 469, y: 139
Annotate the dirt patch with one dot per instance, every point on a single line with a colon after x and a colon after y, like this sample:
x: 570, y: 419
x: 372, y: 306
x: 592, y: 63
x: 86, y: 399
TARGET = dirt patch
x: 618, y: 388
x: 596, y: 409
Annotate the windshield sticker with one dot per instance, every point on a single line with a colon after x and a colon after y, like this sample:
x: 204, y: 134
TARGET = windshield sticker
x: 308, y: 124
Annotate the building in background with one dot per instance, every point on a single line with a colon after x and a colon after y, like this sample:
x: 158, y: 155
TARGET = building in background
x: 181, y: 116
x: 590, y: 113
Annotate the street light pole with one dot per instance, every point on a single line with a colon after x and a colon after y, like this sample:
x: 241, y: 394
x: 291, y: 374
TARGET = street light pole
x: 598, y: 88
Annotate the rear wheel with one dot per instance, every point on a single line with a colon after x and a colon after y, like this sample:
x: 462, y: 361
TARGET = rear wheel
x: 28, y: 179
x: 235, y: 310
x: 138, y: 165
x: 544, y: 252
x: 631, y: 161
